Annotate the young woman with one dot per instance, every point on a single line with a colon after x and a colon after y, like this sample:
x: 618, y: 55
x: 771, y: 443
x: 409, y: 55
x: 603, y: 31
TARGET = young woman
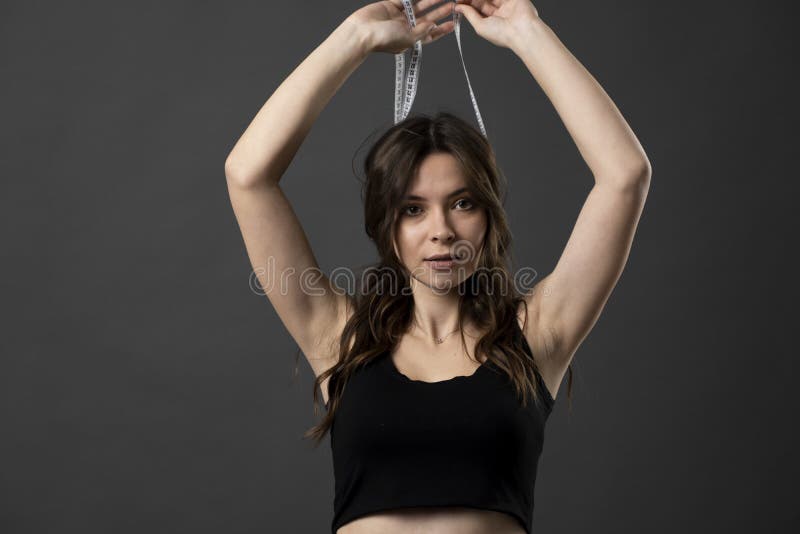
x: 438, y: 374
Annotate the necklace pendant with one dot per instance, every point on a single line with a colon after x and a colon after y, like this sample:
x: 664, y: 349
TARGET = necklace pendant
x: 439, y: 340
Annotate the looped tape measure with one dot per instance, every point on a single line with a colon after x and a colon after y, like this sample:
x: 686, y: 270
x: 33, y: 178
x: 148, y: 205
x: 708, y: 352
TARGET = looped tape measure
x: 406, y: 91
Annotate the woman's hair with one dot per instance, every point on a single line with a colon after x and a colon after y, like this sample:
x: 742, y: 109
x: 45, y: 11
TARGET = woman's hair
x: 383, y: 304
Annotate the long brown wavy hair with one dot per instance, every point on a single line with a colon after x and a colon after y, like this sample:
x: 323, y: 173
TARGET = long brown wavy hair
x: 383, y: 304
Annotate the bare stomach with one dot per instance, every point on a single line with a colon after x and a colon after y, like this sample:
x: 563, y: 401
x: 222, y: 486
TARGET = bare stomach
x: 438, y: 520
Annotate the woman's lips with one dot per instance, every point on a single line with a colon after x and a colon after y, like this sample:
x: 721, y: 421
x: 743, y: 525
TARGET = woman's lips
x: 440, y: 265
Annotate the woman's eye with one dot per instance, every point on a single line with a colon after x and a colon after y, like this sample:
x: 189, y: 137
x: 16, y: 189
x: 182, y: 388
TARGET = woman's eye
x: 406, y: 211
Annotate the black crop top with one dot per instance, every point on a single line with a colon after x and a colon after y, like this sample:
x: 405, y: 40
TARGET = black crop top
x: 463, y: 442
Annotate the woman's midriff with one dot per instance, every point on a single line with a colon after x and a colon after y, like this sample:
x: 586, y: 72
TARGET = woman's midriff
x: 438, y: 520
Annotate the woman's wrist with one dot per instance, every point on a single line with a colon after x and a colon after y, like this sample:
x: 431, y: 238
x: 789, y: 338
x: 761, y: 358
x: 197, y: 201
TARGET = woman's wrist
x: 356, y: 36
x: 527, y: 33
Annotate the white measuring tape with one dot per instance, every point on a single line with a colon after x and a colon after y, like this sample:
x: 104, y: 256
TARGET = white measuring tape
x: 404, y: 98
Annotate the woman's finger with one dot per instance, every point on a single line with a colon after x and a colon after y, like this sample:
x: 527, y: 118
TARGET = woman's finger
x: 422, y: 31
x: 397, y: 3
x: 476, y: 20
x: 422, y: 5
x: 418, y: 5
x: 440, y: 31
x: 438, y: 13
x: 484, y: 7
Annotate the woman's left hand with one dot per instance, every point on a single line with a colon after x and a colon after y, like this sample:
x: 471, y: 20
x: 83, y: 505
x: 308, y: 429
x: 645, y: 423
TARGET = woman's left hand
x: 498, y: 21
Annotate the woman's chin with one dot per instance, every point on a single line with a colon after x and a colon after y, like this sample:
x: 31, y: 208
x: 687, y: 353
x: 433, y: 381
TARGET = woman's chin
x: 442, y: 280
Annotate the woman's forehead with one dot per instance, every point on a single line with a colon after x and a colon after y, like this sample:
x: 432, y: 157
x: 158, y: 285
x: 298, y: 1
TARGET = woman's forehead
x: 438, y: 176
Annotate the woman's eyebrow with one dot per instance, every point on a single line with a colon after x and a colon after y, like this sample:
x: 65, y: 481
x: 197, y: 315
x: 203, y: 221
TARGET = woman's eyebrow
x: 454, y: 193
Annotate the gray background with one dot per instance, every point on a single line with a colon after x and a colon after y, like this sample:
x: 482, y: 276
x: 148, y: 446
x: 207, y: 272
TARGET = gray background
x: 145, y: 388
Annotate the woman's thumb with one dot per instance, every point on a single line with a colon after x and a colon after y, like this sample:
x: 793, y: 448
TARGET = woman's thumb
x: 468, y: 12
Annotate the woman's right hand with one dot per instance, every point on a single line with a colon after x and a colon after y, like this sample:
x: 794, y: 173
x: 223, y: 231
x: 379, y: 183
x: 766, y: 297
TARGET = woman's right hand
x: 387, y: 27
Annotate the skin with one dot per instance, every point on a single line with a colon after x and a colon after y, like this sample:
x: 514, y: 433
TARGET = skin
x: 438, y: 224
x: 563, y: 306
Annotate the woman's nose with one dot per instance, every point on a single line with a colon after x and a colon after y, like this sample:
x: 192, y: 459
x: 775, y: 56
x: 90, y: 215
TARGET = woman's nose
x: 445, y: 236
x: 443, y: 232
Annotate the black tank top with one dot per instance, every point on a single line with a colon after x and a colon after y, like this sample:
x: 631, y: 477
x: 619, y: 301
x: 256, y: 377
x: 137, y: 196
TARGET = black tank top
x: 463, y: 442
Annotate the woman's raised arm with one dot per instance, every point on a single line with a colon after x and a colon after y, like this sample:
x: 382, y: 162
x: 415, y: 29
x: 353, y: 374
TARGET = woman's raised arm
x: 569, y: 300
x: 269, y: 144
x: 277, y: 246
x: 311, y: 309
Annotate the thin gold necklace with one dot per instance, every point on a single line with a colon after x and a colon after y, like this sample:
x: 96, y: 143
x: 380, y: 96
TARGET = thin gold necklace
x: 438, y: 340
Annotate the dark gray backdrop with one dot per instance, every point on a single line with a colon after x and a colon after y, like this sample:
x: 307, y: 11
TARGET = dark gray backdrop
x: 145, y: 388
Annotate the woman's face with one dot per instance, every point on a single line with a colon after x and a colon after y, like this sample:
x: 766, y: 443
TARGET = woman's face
x: 438, y: 216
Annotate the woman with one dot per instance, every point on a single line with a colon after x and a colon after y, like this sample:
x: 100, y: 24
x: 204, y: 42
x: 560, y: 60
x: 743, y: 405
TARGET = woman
x: 433, y: 431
